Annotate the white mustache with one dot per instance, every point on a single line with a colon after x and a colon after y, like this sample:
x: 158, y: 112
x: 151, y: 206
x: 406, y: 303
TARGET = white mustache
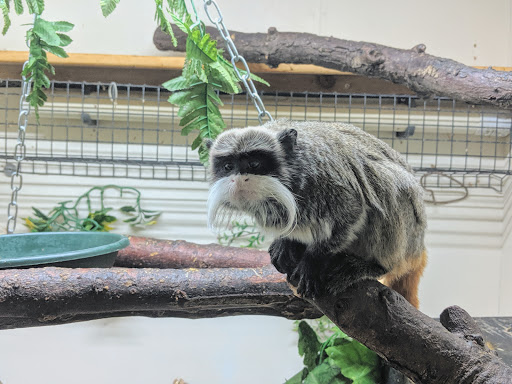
x: 224, y: 206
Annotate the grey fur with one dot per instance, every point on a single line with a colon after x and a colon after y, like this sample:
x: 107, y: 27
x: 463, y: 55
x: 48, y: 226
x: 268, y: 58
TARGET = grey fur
x: 355, y: 195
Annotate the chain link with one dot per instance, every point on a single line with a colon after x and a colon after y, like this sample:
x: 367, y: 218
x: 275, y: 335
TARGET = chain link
x: 246, y: 80
x: 20, y: 151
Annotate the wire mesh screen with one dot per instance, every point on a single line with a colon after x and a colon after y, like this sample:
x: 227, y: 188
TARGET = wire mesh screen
x: 122, y: 130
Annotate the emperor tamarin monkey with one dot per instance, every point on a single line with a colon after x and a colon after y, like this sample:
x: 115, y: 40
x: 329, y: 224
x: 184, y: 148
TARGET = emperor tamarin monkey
x: 343, y: 205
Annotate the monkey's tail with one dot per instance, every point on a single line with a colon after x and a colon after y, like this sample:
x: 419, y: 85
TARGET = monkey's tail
x: 406, y: 278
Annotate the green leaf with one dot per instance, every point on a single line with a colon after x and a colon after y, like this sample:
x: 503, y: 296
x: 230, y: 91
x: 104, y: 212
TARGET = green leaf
x: 39, y: 214
x: 190, y: 106
x: 130, y: 220
x: 184, y: 26
x: 35, y: 6
x: 18, y: 7
x: 197, y: 142
x: 201, y: 48
x: 200, y: 123
x: 324, y: 373
x: 62, y: 26
x: 356, y: 362
x: 178, y: 7
x: 180, y: 83
x: 197, y: 112
x: 296, y: 379
x: 64, y: 39
x: 224, y: 78
x: 204, y: 155
x: 108, y: 6
x: 308, y: 345
x: 46, y: 32
x: 57, y: 51
x: 127, y: 209
x: 164, y: 24
x: 195, y: 67
x: 4, y: 7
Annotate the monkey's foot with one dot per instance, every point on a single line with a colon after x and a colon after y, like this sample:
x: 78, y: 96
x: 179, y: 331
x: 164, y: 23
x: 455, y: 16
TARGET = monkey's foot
x: 346, y: 270
x: 307, y: 283
x: 285, y: 255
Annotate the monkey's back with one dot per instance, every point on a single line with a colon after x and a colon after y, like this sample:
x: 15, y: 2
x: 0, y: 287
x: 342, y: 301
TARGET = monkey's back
x: 354, y: 193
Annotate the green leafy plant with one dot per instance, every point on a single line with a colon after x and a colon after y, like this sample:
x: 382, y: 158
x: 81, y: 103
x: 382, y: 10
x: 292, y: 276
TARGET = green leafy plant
x: 244, y: 232
x: 66, y: 215
x: 43, y: 37
x: 339, y: 359
x: 205, y: 74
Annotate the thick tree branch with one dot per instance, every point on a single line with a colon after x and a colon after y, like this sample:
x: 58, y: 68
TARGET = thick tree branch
x: 46, y: 296
x: 424, y: 74
x: 370, y: 312
x: 144, y: 252
x: 411, y: 341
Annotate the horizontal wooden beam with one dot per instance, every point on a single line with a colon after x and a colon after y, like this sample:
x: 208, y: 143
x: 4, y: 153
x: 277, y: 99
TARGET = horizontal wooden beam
x: 152, y: 62
x: 165, y: 62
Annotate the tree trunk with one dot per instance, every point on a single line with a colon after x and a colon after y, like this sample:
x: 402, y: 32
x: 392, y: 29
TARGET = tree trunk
x: 424, y: 74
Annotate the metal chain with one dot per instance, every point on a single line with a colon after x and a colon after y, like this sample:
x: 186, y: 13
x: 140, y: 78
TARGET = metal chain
x: 235, y: 58
x: 20, y: 151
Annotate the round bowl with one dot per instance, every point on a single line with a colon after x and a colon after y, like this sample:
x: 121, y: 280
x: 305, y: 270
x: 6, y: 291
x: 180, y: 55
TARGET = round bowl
x: 60, y: 249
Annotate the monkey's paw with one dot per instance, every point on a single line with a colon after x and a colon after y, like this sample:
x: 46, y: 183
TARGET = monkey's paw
x: 307, y: 284
x: 285, y: 255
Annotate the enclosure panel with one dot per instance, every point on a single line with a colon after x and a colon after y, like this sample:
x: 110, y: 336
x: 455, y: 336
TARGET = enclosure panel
x: 126, y: 130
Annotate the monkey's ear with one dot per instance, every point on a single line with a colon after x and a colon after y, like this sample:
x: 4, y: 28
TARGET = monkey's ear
x: 288, y: 139
x: 208, y: 143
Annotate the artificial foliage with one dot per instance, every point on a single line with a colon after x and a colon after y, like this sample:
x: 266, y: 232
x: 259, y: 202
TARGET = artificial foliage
x: 68, y: 215
x: 337, y: 360
x: 243, y: 233
x: 205, y: 74
x: 44, y: 36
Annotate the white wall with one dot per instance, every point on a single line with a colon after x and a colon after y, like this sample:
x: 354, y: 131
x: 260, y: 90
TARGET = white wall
x: 474, y: 32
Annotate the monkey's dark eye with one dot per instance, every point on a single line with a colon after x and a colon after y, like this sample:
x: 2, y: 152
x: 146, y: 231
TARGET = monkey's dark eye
x: 254, y: 164
x: 228, y: 166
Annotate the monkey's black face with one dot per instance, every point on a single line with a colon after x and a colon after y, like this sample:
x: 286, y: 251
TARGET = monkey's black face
x: 248, y: 178
x: 258, y: 162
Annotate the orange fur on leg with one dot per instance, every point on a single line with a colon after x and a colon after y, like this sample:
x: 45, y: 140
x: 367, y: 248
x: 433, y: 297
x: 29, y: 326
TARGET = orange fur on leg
x: 406, y: 277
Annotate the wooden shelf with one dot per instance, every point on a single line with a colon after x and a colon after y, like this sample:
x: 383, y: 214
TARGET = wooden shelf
x: 152, y: 62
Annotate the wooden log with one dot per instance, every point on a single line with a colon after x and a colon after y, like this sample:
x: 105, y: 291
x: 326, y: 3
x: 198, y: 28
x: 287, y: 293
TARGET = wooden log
x: 409, y: 340
x: 145, y: 252
x: 425, y: 74
x: 48, y: 296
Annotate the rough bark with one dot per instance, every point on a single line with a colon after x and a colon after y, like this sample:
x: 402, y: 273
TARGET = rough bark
x: 47, y: 296
x: 145, y: 252
x: 425, y: 74
x: 412, y: 342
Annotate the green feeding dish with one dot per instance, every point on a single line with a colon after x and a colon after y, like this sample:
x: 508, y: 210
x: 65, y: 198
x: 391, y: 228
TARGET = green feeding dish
x: 61, y: 249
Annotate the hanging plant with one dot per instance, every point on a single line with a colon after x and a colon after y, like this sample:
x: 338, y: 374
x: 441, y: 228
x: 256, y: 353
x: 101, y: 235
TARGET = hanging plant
x: 44, y: 36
